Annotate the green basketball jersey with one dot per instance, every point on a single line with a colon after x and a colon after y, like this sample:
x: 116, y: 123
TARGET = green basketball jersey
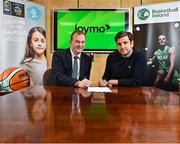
x: 163, y: 57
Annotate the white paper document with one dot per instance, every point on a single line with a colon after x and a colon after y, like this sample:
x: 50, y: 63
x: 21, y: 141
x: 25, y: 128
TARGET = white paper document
x: 99, y: 89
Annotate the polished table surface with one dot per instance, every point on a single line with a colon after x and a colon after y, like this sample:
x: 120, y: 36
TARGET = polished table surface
x: 65, y: 114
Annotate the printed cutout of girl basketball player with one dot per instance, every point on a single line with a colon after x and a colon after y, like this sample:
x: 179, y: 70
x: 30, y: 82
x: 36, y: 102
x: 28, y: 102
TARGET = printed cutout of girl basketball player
x: 34, y: 61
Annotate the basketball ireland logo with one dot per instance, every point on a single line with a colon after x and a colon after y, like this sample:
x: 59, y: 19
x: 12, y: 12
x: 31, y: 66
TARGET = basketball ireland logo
x: 143, y: 14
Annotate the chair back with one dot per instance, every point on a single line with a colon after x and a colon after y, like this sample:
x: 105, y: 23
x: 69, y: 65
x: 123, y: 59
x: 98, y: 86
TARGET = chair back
x: 46, y: 77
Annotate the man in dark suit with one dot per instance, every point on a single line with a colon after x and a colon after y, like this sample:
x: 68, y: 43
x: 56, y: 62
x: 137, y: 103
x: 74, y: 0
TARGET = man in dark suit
x: 72, y: 67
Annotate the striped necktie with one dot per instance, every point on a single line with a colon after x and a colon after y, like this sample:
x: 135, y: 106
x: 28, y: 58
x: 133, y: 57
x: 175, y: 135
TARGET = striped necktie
x: 75, y: 67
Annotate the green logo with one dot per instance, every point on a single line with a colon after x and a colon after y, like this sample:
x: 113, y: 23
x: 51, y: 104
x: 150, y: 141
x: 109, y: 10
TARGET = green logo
x: 143, y: 14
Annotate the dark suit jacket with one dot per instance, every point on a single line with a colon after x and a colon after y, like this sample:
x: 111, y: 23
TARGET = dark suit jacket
x: 62, y: 68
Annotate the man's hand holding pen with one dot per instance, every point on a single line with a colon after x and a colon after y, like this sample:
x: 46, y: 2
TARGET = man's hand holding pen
x: 102, y: 83
x: 110, y: 83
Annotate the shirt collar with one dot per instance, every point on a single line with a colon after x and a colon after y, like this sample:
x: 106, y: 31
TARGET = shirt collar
x: 72, y: 54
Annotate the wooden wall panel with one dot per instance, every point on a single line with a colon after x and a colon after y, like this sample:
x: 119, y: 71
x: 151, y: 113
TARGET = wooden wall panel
x: 57, y: 3
x: 155, y: 1
x: 130, y: 3
x: 99, y: 4
x: 98, y: 67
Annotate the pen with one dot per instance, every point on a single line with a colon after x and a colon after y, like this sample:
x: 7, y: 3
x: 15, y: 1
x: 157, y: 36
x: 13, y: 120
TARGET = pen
x: 84, y: 77
x: 88, y: 81
x: 104, y: 82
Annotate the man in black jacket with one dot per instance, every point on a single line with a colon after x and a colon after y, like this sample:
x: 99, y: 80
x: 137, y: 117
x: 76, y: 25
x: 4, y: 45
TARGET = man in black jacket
x: 72, y: 67
x: 126, y: 66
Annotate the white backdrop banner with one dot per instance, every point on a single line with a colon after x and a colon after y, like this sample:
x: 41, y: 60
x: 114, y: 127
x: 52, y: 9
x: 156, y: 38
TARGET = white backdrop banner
x: 17, y: 18
x: 157, y: 13
x: 157, y: 31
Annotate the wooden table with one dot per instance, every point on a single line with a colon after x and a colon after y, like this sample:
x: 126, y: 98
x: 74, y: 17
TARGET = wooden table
x: 65, y: 114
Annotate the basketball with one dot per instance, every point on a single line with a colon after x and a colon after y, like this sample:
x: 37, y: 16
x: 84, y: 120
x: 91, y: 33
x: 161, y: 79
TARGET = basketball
x: 0, y: 82
x: 14, y: 78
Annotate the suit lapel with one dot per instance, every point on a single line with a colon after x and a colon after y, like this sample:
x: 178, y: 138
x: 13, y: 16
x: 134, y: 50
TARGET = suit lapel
x: 82, y: 64
x: 69, y: 60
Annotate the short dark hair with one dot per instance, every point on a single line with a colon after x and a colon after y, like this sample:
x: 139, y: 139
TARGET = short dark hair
x: 77, y: 32
x: 123, y: 34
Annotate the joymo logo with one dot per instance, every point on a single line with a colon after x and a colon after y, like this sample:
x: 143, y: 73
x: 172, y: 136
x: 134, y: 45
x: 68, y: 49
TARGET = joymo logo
x: 97, y: 29
x: 143, y: 14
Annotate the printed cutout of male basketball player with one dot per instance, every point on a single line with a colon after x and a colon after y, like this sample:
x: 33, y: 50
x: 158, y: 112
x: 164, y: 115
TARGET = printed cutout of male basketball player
x: 167, y: 77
